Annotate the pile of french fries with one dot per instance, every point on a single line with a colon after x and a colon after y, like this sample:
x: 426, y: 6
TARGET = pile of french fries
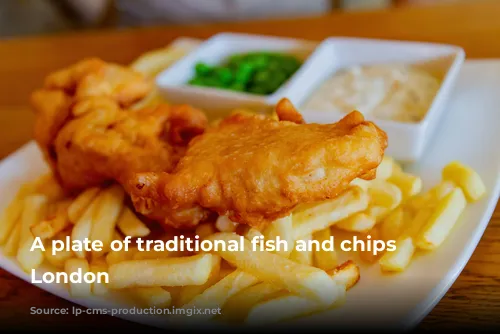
x: 249, y: 286
x: 254, y: 287
x: 397, y: 209
x: 165, y: 279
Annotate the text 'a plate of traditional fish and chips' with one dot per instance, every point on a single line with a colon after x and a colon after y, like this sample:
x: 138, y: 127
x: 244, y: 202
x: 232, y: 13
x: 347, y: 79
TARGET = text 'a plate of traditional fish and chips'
x: 252, y: 213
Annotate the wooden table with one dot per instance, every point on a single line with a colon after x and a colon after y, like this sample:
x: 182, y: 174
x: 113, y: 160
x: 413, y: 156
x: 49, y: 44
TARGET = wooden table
x: 473, y: 300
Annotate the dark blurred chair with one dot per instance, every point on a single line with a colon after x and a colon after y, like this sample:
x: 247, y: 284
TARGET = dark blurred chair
x: 78, y: 18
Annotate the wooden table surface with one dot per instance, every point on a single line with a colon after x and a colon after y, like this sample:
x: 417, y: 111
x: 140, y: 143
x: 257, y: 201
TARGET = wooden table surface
x: 473, y: 300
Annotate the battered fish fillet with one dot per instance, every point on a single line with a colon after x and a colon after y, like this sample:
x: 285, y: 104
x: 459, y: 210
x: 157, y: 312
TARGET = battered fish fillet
x: 95, y: 77
x: 87, y: 79
x: 254, y: 169
x: 88, y: 135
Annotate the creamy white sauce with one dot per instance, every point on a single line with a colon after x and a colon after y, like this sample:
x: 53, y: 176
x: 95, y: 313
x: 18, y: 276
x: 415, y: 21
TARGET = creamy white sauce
x: 392, y: 92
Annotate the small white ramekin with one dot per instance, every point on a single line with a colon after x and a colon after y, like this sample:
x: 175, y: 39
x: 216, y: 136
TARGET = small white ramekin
x: 407, y: 141
x: 216, y: 102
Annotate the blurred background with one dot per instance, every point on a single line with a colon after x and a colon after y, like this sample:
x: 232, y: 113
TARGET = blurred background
x: 37, y: 17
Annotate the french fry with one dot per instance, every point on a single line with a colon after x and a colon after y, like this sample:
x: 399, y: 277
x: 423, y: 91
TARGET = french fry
x: 347, y: 274
x: 99, y: 288
x: 385, y: 169
x: 80, y: 204
x: 178, y: 271
x: 399, y: 259
x: 358, y: 222
x: 83, y: 226
x: 12, y: 244
x: 153, y: 62
x: 117, y: 236
x: 153, y: 255
x: 12, y: 214
x: 368, y: 256
x: 153, y: 99
x: 151, y: 296
x: 385, y: 194
x: 303, y: 280
x: 410, y: 185
x: 174, y: 293
x: 392, y: 225
x: 363, y: 184
x: 377, y: 212
x: 308, y: 219
x: 289, y: 306
x: 48, y: 228
x: 131, y: 225
x: 224, y: 224
x: 433, y: 195
x: 302, y: 256
x: 418, y: 222
x: 324, y: 259
x: 442, y: 220
x: 59, y: 258
x: 82, y: 289
x: 250, y: 232
x: 35, y: 208
x: 106, y: 216
x: 283, y: 229
x: 204, y: 230
x: 189, y: 292
x: 225, y: 269
x: 237, y: 306
x: 122, y: 255
x: 217, y: 295
x: 49, y: 187
x: 466, y: 178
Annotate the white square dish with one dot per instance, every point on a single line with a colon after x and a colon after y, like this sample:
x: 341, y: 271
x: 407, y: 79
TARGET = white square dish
x: 407, y: 141
x: 377, y: 301
x: 173, y: 82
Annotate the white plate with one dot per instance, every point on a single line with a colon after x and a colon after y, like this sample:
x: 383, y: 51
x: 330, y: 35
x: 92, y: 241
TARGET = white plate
x: 469, y: 133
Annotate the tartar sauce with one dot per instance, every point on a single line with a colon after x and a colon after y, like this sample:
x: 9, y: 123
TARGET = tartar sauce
x: 392, y: 92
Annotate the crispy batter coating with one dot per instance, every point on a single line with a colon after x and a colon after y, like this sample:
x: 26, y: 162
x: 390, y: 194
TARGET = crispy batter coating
x: 286, y: 112
x: 108, y: 144
x: 52, y: 108
x: 255, y: 169
x: 89, y: 136
x: 95, y: 77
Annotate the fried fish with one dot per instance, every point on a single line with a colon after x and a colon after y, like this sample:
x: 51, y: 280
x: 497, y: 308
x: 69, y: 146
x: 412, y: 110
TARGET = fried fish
x: 254, y: 169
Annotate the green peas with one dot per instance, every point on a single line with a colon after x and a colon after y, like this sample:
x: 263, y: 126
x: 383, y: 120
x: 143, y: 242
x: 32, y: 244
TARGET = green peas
x: 202, y: 69
x: 240, y: 87
x: 258, y: 72
x: 196, y: 82
x: 243, y: 73
x: 262, y: 76
x: 224, y: 75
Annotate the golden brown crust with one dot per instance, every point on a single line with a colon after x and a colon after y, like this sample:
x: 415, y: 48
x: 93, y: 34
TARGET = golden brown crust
x: 89, y: 137
x: 94, y: 77
x: 52, y: 108
x: 287, y: 112
x: 255, y: 169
